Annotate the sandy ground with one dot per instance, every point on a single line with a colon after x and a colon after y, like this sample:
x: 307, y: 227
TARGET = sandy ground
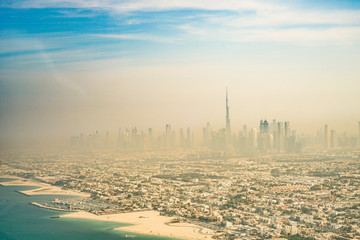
x: 44, y: 188
x: 150, y: 223
x: 9, y: 176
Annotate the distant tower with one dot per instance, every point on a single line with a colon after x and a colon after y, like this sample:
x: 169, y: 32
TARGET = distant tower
x: 189, y: 138
x: 228, y: 128
x: 332, y: 138
x: 182, y: 138
x: 326, y: 137
x: 207, y: 135
x: 150, y: 136
x: 287, y: 129
x: 359, y: 134
x: 266, y: 126
x: 280, y: 137
x: 253, y: 138
x: 168, y: 129
x: 168, y: 135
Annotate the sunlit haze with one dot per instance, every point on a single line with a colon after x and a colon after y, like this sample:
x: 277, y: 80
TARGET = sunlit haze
x: 71, y: 67
x: 179, y: 119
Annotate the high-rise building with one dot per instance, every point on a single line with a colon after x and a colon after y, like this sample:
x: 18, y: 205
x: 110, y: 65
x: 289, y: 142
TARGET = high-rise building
x: 332, y: 138
x: 150, y: 137
x: 168, y: 136
x: 326, y: 136
x: 168, y: 129
x: 188, y: 138
x: 253, y: 138
x: 228, y: 127
x: 359, y: 136
x: 287, y: 129
x: 207, y: 135
x: 264, y: 127
x: 273, y: 127
x: 245, y: 130
x: 280, y: 137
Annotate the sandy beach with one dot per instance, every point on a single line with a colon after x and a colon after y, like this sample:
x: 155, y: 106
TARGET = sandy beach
x: 150, y: 223
x: 43, y: 188
x: 145, y: 222
x: 9, y: 176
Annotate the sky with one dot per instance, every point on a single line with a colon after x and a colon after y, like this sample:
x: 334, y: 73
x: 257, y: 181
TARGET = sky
x: 75, y: 66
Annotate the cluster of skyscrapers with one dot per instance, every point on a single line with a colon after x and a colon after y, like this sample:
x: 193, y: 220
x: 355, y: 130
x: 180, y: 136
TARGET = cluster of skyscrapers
x: 270, y: 137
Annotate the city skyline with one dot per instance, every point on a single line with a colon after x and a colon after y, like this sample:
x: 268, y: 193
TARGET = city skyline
x: 74, y: 66
x: 263, y: 127
x: 269, y: 138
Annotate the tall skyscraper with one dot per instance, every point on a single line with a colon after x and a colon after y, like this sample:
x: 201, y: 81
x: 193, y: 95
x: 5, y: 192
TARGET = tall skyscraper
x: 359, y: 134
x: 326, y: 136
x: 168, y: 136
x: 182, y: 138
x: 228, y: 128
x: 280, y: 137
x: 264, y: 127
x: 287, y: 129
x: 150, y: 137
x: 188, y: 138
x: 207, y: 135
x: 332, y: 138
x: 253, y: 138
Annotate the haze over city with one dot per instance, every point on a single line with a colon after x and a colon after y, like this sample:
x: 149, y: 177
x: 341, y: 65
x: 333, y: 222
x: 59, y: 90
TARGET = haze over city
x: 179, y: 119
x: 72, y: 67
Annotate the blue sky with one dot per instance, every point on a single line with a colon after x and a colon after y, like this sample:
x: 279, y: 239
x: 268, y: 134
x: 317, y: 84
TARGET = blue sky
x: 160, y: 49
x: 59, y: 25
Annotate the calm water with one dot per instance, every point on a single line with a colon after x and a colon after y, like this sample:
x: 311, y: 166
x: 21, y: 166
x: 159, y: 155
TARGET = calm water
x: 21, y: 221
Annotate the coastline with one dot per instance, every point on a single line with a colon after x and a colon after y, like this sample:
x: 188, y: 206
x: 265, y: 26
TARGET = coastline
x: 52, y: 208
x: 149, y: 223
x: 43, y: 188
x: 145, y: 222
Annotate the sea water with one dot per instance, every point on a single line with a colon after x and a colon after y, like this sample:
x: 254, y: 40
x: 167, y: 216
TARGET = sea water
x: 19, y: 220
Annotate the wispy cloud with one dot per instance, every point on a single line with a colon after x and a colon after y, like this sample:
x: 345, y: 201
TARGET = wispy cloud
x: 162, y: 5
x: 145, y: 5
x: 143, y: 37
x: 76, y: 14
x: 244, y: 20
x: 339, y: 35
x: 232, y: 29
x: 293, y: 17
x: 16, y: 42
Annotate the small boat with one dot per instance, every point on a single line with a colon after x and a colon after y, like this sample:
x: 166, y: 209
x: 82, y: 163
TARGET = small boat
x: 129, y: 236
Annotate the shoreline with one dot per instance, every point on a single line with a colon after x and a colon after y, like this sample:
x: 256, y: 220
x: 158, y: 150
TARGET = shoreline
x: 149, y: 223
x: 143, y: 222
x: 43, y: 188
x: 48, y: 207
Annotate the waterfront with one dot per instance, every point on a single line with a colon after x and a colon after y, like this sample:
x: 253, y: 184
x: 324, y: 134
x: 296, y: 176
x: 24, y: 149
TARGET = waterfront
x: 20, y: 220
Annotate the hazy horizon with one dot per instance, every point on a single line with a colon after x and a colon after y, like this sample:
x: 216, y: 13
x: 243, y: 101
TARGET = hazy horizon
x: 71, y: 67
